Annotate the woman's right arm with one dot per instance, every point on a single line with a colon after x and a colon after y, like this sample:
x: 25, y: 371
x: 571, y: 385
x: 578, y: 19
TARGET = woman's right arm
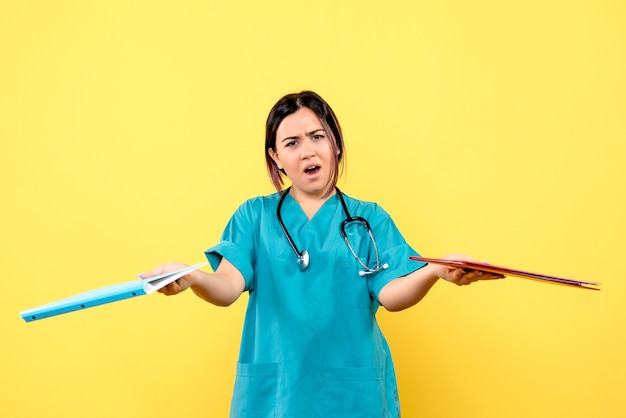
x: 221, y: 288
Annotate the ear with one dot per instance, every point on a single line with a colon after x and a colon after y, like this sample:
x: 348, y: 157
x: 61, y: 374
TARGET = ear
x: 274, y: 157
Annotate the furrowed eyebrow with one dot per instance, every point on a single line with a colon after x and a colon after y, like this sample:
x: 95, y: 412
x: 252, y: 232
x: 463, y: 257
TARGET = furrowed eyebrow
x: 316, y: 131
x: 313, y: 132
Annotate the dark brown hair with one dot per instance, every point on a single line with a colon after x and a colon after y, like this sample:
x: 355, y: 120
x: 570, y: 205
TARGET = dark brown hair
x: 290, y: 104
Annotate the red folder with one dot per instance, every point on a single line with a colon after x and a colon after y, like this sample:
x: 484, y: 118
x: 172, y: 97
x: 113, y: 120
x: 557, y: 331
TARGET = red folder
x: 469, y: 265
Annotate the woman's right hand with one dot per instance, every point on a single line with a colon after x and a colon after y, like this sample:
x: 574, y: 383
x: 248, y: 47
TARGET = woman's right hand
x: 176, y: 286
x: 220, y: 288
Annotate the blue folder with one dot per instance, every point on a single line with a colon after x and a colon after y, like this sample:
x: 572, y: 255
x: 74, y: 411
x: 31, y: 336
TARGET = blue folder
x: 107, y: 294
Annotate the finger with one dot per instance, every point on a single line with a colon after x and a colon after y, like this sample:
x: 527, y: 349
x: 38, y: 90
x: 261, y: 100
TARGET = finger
x: 154, y: 272
x: 471, y: 278
x: 473, y: 275
x: 164, y: 290
x: 484, y: 275
x: 456, y: 276
x: 493, y: 276
x: 168, y: 290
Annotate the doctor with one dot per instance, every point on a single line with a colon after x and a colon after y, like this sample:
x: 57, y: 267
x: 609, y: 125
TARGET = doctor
x: 317, y: 265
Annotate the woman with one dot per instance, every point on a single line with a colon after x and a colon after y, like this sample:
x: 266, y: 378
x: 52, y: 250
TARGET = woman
x: 317, y: 265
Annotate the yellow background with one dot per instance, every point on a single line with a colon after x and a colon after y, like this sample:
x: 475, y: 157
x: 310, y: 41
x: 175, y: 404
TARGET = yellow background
x: 131, y: 130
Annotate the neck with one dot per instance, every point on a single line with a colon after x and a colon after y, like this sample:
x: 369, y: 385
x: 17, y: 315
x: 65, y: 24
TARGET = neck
x: 302, y: 196
x: 310, y: 202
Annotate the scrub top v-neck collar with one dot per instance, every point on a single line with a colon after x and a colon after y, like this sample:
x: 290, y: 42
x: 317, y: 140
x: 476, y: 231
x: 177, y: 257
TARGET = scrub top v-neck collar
x: 290, y: 203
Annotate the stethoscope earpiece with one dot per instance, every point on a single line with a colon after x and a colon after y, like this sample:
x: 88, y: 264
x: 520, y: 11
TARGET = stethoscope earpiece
x: 374, y: 270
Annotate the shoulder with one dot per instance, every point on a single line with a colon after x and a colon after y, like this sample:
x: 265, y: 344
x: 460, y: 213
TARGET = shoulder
x: 258, y: 204
x: 363, y: 208
x: 377, y: 217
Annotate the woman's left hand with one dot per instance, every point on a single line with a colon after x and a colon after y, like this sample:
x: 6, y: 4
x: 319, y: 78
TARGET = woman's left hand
x: 461, y: 276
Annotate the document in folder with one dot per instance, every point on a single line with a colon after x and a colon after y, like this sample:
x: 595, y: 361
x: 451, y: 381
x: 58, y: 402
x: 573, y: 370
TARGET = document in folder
x: 107, y: 294
x: 509, y: 272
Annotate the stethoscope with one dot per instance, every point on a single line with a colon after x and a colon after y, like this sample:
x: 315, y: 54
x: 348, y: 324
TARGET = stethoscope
x: 303, y: 258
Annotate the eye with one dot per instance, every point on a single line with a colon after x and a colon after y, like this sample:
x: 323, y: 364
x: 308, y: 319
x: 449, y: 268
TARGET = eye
x: 290, y: 144
x: 318, y: 136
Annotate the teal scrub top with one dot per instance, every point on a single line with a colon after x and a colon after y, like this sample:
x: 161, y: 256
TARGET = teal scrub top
x: 311, y: 346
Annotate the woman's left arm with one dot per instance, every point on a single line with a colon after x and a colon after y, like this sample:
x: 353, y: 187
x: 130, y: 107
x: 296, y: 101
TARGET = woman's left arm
x: 406, y: 291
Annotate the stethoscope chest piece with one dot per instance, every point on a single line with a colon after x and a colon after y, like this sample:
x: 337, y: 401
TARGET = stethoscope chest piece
x: 303, y: 260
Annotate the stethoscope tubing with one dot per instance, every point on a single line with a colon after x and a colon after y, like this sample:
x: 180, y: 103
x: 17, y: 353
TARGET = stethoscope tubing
x: 303, y: 256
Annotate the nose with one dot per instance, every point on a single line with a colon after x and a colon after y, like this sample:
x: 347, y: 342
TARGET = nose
x: 307, y: 150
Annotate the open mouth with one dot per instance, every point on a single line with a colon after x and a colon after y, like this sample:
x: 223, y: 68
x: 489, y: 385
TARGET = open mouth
x: 314, y: 169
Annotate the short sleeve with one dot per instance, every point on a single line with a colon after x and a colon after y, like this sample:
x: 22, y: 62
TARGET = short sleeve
x: 393, y: 250
x: 238, y: 242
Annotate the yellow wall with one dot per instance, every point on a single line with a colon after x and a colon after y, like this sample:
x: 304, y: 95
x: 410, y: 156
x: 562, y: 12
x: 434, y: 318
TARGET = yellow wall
x: 130, y: 131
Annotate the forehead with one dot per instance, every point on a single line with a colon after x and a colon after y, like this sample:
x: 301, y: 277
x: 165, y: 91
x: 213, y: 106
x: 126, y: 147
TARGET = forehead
x: 302, y: 121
